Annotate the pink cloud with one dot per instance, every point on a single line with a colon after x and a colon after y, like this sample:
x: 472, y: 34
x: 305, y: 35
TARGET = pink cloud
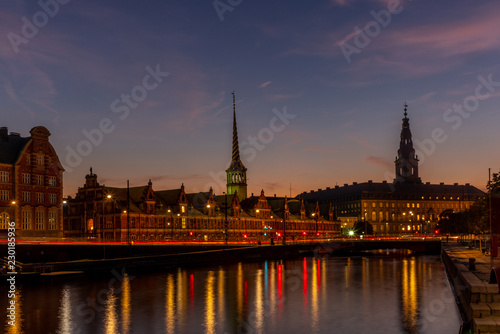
x: 378, y: 161
x: 265, y: 84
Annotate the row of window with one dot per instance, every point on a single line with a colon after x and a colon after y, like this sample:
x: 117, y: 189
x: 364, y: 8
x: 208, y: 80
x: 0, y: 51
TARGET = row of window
x: 26, y: 196
x: 26, y: 223
x: 26, y: 179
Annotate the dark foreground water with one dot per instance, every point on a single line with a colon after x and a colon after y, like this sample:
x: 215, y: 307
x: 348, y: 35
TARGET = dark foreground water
x: 372, y: 294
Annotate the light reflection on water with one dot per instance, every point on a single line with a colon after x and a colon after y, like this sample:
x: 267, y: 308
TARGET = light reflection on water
x: 310, y: 295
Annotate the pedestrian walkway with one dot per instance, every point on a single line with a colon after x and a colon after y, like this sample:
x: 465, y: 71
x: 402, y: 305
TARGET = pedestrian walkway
x: 469, y: 271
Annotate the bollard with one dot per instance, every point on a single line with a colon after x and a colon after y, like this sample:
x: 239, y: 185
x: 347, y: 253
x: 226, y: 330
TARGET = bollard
x: 472, y: 264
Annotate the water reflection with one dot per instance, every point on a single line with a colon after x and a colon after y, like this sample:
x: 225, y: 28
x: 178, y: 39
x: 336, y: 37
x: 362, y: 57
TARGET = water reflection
x: 15, y: 326
x: 126, y: 304
x: 110, y: 319
x: 65, y: 323
x: 210, y: 303
x: 169, y: 304
x: 409, y: 298
x: 307, y: 295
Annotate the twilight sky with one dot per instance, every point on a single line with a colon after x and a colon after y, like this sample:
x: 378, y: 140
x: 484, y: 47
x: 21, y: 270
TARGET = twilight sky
x: 320, y: 88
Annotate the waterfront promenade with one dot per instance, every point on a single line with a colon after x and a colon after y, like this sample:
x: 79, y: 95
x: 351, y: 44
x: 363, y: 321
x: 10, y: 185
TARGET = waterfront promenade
x: 479, y: 300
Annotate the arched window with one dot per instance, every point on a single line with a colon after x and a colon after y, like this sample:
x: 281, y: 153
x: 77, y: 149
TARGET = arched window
x: 374, y: 216
x: 4, y: 221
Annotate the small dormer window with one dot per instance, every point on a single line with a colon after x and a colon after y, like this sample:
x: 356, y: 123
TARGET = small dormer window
x: 183, y: 209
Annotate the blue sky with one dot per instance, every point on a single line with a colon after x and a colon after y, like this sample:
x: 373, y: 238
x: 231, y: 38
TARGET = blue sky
x: 339, y: 70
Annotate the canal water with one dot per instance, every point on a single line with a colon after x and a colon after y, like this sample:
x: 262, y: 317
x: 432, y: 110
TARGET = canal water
x: 378, y: 293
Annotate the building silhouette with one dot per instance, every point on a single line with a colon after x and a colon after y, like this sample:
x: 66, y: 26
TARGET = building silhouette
x: 98, y: 212
x: 406, y: 205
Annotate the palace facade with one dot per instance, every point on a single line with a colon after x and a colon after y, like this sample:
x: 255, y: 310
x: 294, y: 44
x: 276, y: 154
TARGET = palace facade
x: 404, y: 206
x: 31, y: 184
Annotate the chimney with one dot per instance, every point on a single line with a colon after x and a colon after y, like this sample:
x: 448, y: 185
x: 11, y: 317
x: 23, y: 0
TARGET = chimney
x: 4, y: 133
x: 441, y: 183
x: 370, y: 181
x: 354, y: 183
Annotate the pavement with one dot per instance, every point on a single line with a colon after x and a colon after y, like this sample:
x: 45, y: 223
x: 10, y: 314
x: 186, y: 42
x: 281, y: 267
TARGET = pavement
x: 462, y: 254
x: 480, y: 300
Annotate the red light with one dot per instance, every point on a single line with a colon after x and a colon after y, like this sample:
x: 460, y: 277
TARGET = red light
x: 436, y: 231
x: 304, y: 233
x: 317, y: 234
x: 416, y: 232
x: 244, y: 235
x: 279, y: 234
x: 190, y: 233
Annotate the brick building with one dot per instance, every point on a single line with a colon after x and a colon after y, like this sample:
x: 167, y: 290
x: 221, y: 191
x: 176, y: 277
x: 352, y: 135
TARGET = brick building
x: 31, y: 184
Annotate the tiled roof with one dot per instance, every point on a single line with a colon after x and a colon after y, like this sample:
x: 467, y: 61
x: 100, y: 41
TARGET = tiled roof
x: 11, y: 147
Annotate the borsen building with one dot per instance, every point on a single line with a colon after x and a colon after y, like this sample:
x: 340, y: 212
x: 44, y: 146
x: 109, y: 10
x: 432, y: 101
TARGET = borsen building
x: 144, y: 214
x: 404, y: 206
x: 31, y: 184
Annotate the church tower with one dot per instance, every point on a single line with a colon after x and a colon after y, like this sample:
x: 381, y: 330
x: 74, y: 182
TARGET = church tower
x: 406, y: 161
x: 237, y: 172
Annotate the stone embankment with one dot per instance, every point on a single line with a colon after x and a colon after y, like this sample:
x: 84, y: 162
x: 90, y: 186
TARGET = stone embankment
x: 469, y: 270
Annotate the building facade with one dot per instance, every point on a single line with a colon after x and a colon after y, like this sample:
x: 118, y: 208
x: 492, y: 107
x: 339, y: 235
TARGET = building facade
x: 141, y: 214
x: 405, y: 206
x: 31, y: 184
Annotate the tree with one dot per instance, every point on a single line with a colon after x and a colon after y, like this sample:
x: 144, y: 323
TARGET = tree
x: 361, y: 226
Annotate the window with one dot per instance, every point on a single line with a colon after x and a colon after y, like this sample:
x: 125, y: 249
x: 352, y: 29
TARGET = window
x: 52, y: 220
x: 4, y: 221
x: 374, y: 216
x: 373, y: 205
x: 4, y: 195
x: 52, y: 198
x: 40, y: 220
x: 26, y: 219
x: 418, y: 205
x: 26, y: 196
x: 39, y: 180
x: 381, y: 216
x: 39, y: 198
x: 407, y: 205
x: 40, y: 160
x: 26, y: 178
x: 52, y: 181
x: 4, y: 176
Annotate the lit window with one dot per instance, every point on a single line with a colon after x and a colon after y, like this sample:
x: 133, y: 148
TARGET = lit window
x: 4, y: 221
x: 53, y: 220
